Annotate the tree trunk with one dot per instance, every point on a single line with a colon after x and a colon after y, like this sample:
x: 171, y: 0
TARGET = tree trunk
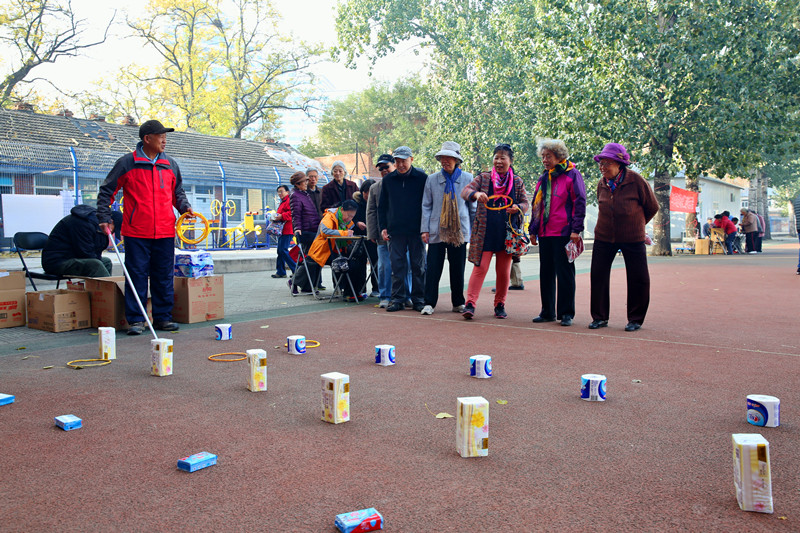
x: 691, y: 225
x: 661, y: 225
x: 764, y: 206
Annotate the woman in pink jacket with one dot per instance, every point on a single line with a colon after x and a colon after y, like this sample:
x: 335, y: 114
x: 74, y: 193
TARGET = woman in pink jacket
x: 559, y: 207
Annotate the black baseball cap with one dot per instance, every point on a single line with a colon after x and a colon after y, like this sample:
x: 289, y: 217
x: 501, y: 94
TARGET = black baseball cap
x: 384, y: 159
x: 153, y: 127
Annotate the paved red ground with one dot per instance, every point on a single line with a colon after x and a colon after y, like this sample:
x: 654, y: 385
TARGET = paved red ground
x: 656, y: 456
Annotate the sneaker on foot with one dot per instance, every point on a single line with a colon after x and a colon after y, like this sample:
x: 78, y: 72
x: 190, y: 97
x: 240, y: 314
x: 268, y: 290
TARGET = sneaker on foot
x: 384, y: 304
x: 374, y: 294
x: 427, y: 310
x: 460, y: 308
x: 500, y: 311
x: 137, y: 328
x: 409, y: 304
x: 395, y: 306
x: 166, y: 325
x: 469, y: 311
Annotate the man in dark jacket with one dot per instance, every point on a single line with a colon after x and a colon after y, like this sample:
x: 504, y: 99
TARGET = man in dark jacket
x: 76, y: 244
x: 151, y: 186
x: 399, y: 219
x: 313, y: 191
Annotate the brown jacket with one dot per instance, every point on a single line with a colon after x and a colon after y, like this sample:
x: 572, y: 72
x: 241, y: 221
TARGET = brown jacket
x: 749, y: 222
x: 624, y: 213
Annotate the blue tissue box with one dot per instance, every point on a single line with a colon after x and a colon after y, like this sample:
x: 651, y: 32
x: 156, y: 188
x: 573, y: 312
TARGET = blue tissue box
x: 197, y: 461
x: 67, y: 422
x: 363, y: 520
x: 6, y: 398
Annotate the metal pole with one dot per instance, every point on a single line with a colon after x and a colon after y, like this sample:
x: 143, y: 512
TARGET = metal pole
x: 223, y: 215
x: 131, y: 285
x: 74, y: 172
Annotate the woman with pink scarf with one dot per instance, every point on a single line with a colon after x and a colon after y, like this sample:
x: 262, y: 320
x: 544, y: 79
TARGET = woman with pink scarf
x: 489, y: 227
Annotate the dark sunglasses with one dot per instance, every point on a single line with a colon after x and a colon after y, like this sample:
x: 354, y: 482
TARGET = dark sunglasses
x: 383, y: 167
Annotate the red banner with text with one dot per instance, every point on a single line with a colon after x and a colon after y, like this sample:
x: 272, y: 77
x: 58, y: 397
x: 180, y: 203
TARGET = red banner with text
x: 682, y: 201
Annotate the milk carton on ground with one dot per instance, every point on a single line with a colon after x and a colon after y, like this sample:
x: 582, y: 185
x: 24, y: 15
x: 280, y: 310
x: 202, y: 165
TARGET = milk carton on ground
x: 161, y: 357
x: 335, y: 397
x: 257, y: 379
x: 108, y: 343
x: 359, y: 521
x: 751, y: 472
x: 472, y: 426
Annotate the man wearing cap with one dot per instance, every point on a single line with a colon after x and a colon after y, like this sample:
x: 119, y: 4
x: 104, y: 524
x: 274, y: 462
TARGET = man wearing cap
x: 399, y: 219
x: 151, y: 186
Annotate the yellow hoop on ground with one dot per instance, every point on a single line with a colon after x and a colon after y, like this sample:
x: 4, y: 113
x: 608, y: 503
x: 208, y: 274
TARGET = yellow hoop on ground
x: 500, y: 208
x: 182, y: 227
x: 214, y: 357
x: 317, y: 345
x: 92, y: 362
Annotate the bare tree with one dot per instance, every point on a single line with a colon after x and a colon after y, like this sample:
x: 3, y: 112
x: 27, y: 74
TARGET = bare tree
x: 39, y: 31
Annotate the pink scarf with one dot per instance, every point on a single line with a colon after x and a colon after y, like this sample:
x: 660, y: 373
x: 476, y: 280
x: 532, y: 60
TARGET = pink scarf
x: 503, y: 185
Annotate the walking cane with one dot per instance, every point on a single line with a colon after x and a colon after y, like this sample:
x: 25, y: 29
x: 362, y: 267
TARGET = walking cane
x: 130, y: 283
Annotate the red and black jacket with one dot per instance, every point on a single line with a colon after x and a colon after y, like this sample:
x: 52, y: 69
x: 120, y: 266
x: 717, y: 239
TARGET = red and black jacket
x: 149, y: 192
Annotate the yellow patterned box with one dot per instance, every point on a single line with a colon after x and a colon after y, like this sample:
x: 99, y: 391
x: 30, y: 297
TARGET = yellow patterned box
x: 335, y: 397
x: 257, y: 379
x: 161, y: 357
x: 108, y: 343
x: 472, y: 426
x: 751, y: 473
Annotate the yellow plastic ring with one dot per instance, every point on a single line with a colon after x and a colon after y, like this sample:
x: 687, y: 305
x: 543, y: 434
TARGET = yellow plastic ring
x: 93, y: 362
x: 216, y: 355
x: 181, y: 228
x: 498, y: 196
x: 316, y: 345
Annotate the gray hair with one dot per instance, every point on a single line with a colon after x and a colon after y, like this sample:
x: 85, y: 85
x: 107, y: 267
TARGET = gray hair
x: 311, y: 169
x: 339, y: 164
x: 556, y: 146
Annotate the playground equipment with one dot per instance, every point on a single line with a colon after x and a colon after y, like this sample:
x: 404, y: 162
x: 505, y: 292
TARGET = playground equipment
x: 225, y: 237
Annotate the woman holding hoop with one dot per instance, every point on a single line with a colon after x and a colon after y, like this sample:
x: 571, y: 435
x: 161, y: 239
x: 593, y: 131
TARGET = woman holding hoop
x: 499, y: 193
x: 559, y: 207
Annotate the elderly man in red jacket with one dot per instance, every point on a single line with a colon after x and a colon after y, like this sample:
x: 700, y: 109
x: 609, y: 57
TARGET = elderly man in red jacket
x: 151, y: 186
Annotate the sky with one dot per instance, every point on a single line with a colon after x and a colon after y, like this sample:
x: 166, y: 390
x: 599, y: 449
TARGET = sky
x: 312, y: 21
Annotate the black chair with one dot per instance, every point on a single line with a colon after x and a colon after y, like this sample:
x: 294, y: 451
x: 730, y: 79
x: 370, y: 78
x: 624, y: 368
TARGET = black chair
x: 26, y: 241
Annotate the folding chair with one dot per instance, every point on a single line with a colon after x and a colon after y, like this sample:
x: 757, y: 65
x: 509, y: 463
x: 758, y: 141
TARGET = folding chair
x: 33, y: 241
x: 358, y: 243
x: 314, y: 290
x: 718, y: 241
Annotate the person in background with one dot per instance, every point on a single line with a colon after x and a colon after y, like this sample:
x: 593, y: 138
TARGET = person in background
x: 305, y: 220
x: 399, y: 218
x: 488, y: 233
x: 338, y: 190
x: 737, y: 240
x: 152, y: 188
x: 762, y: 225
x: 796, y: 205
x: 445, y: 227
x: 361, y: 198
x: 559, y: 207
x: 284, y: 214
x: 313, y: 191
x: 385, y: 166
x: 728, y: 227
x: 626, y: 203
x: 75, y: 245
x: 707, y: 227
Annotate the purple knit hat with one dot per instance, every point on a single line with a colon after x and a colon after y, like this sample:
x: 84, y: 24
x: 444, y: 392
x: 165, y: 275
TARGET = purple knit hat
x: 614, y: 151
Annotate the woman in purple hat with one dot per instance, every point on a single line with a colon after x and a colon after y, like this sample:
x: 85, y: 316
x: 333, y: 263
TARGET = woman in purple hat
x: 626, y: 204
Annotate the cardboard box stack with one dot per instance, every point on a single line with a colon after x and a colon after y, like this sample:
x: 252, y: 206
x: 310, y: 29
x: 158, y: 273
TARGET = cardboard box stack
x: 12, y: 299
x: 199, y: 299
x: 108, y: 302
x: 58, y: 310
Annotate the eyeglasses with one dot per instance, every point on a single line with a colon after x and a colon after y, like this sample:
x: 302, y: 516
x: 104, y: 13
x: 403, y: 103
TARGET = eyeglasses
x: 603, y: 163
x: 383, y: 167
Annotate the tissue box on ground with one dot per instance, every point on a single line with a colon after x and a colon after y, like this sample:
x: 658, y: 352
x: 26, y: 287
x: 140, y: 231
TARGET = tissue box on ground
x: 472, y: 426
x: 358, y: 521
x: 161, y: 357
x: 12, y: 299
x: 257, y: 379
x: 197, y: 461
x: 199, y: 299
x: 6, y: 399
x: 751, y: 473
x: 108, y: 302
x: 58, y: 310
x: 335, y: 397
x: 68, y: 422
x: 193, y: 264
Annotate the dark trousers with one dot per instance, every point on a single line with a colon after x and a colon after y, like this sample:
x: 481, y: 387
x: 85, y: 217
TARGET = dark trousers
x: 729, y: 242
x: 554, y: 266
x: 635, y: 255
x: 759, y: 239
x: 91, y: 268
x: 398, y: 246
x: 750, y: 241
x: 456, y: 259
x: 357, y: 274
x: 284, y: 259
x: 153, y: 259
x: 372, y: 250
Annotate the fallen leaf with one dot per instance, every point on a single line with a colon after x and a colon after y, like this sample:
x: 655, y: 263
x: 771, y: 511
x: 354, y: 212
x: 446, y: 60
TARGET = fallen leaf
x: 22, y: 348
x: 444, y: 415
x: 94, y: 333
x: 25, y: 357
x: 636, y: 381
x: 277, y: 347
x: 781, y: 518
x: 716, y: 289
x: 259, y: 340
x: 76, y: 367
x: 502, y: 402
x: 265, y: 327
x: 47, y: 367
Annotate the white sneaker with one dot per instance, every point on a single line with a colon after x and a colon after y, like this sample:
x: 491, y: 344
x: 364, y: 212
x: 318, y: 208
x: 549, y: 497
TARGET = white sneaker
x: 427, y: 310
x: 754, y: 252
x: 384, y: 304
x: 458, y: 308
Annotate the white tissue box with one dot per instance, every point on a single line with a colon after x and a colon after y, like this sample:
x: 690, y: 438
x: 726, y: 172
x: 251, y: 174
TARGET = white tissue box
x: 751, y: 473
x: 161, y: 357
x: 257, y: 379
x: 335, y: 397
x: 472, y: 426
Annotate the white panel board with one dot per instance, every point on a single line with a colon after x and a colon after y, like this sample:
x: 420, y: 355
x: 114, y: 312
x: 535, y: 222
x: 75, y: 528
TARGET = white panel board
x: 31, y: 212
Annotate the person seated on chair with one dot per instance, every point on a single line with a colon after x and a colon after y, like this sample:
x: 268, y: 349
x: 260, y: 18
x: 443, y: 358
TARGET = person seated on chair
x: 337, y: 221
x: 76, y: 244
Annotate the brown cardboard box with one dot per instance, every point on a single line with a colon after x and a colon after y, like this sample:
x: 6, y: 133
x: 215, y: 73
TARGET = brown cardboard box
x: 108, y: 302
x: 701, y: 247
x: 58, y: 310
x: 199, y: 299
x: 12, y: 299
